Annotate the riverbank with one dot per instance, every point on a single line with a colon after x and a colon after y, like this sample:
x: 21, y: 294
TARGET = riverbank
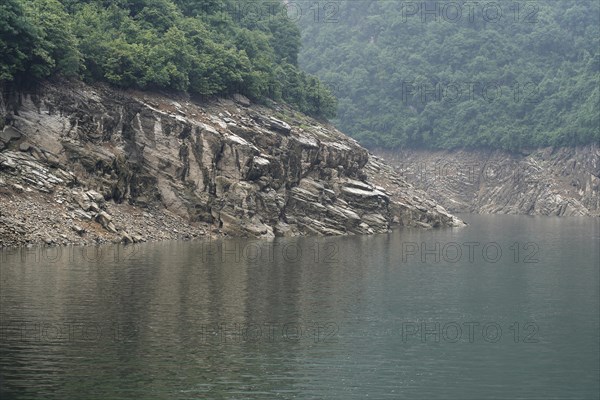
x: 31, y: 218
x: 561, y: 181
x: 91, y: 164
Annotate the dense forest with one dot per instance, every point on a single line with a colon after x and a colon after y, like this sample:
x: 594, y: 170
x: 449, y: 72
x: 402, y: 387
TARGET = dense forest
x: 438, y: 74
x: 407, y: 74
x: 205, y: 47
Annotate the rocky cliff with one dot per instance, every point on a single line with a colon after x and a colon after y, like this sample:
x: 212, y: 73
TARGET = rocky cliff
x: 549, y: 181
x: 83, y: 164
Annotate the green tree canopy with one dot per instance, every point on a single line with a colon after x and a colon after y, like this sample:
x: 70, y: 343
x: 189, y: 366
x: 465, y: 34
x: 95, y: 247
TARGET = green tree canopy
x: 512, y: 75
x: 207, y: 47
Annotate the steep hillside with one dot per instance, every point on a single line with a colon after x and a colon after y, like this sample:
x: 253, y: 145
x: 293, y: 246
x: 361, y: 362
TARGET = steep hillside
x: 81, y: 164
x: 445, y: 75
x: 561, y: 181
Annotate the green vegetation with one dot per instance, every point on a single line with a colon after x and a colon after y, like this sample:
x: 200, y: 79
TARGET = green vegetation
x: 206, y: 47
x: 463, y: 78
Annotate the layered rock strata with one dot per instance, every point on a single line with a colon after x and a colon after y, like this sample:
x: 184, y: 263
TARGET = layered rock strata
x: 103, y: 164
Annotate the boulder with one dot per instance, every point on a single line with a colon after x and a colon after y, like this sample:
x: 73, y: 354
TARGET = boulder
x: 78, y: 229
x: 137, y: 238
x: 82, y: 215
x: 241, y: 100
x: 279, y: 126
x: 95, y: 196
x: 9, y: 133
x: 126, y: 238
x: 25, y: 147
x: 104, y: 219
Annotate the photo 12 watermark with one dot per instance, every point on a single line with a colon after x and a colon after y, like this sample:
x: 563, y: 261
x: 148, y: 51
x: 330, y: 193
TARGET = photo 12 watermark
x: 230, y: 251
x: 475, y: 172
x: 469, y: 252
x: 66, y: 331
x: 457, y: 92
x: 248, y: 12
x: 472, y: 332
x: 72, y: 254
x: 269, y: 251
x: 268, y: 332
x: 492, y: 12
x: 230, y: 332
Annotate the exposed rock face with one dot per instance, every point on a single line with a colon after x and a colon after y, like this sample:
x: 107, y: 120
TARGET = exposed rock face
x: 226, y: 167
x: 550, y: 181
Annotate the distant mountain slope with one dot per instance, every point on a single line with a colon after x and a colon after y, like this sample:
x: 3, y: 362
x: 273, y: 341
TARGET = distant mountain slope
x: 441, y: 75
x: 562, y: 181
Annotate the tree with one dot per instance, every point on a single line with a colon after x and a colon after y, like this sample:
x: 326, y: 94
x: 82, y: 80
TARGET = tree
x: 466, y: 83
x: 206, y: 47
x: 17, y: 37
x: 36, y: 40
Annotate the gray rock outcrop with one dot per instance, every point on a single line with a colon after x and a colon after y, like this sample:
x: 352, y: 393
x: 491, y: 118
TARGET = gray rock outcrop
x: 226, y: 167
x: 562, y: 181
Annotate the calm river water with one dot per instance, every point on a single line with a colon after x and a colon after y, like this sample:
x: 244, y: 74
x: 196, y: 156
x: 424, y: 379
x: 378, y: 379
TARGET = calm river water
x: 505, y: 308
